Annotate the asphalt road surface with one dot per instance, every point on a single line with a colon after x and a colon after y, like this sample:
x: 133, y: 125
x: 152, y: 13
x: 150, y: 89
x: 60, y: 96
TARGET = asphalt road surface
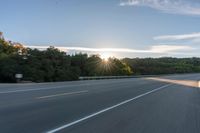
x: 167, y: 104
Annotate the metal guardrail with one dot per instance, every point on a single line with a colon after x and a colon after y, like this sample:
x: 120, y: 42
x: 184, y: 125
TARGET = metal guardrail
x: 120, y: 77
x: 110, y: 77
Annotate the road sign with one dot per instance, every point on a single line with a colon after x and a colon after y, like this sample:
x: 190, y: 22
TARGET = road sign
x: 18, y: 76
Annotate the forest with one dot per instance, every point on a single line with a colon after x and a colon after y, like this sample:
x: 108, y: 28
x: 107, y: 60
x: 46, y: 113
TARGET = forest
x: 52, y: 64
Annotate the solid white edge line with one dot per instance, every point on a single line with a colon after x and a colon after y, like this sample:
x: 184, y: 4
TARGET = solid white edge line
x: 62, y: 94
x: 106, y: 109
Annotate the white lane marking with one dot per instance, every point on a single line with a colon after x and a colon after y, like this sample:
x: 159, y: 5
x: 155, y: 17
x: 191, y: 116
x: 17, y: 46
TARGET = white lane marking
x: 106, y: 109
x: 62, y: 94
x: 25, y: 90
x: 56, y: 87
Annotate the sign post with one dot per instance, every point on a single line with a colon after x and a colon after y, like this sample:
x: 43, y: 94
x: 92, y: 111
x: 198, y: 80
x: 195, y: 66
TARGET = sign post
x: 18, y: 77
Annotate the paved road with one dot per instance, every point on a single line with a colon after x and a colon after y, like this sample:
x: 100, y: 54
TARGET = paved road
x: 168, y: 104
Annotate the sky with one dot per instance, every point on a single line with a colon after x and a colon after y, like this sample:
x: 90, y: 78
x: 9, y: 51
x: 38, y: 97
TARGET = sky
x: 120, y: 28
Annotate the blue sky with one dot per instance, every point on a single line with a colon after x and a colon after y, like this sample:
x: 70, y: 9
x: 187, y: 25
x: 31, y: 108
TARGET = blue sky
x: 126, y: 28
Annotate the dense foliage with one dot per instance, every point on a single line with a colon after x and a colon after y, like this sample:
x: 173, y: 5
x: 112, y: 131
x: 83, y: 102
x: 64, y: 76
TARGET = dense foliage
x: 165, y: 65
x: 52, y: 64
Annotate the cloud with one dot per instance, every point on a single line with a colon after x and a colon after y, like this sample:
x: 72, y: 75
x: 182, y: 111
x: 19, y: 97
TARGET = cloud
x: 87, y: 49
x: 192, y: 36
x: 159, y: 49
x: 196, y: 40
x: 169, y: 48
x: 186, y: 7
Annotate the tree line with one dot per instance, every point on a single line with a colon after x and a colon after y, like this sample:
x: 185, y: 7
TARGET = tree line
x: 164, y: 65
x: 54, y: 65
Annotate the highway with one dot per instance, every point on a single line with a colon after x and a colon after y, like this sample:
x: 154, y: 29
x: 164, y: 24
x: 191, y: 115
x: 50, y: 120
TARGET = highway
x: 165, y: 104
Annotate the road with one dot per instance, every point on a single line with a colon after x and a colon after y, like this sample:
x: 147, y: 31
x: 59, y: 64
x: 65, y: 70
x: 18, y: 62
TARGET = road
x: 167, y: 104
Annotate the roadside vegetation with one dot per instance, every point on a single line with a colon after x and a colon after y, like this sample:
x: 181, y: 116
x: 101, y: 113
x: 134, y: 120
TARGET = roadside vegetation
x: 54, y: 65
x: 165, y: 65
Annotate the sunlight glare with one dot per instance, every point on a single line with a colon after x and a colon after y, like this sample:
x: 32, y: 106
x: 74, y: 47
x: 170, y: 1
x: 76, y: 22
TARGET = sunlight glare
x: 105, y: 56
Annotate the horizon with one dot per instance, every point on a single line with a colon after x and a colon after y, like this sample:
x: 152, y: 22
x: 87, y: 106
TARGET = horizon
x: 100, y: 52
x: 119, y: 28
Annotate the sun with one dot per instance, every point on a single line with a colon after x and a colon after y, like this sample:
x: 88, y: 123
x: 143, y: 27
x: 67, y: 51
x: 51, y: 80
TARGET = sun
x: 105, y: 56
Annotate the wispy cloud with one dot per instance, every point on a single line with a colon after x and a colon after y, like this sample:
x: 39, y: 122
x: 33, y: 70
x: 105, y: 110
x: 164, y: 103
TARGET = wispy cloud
x: 169, y: 48
x: 192, y: 36
x: 87, y: 49
x: 187, y: 7
x: 159, y: 49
